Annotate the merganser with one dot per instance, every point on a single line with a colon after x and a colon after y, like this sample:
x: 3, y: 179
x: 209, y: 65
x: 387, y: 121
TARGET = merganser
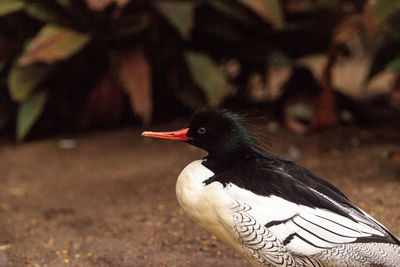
x: 272, y: 211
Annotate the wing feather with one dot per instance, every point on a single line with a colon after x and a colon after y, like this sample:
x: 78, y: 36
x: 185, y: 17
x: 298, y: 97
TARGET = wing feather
x: 304, y: 230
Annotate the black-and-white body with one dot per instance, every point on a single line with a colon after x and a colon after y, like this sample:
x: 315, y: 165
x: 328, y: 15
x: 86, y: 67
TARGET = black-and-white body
x: 213, y: 207
x: 272, y: 211
x: 271, y: 231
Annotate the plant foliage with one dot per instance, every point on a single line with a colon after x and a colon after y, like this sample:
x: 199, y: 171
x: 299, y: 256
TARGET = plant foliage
x: 143, y: 49
x: 387, y: 53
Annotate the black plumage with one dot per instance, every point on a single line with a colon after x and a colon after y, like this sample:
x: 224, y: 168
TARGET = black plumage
x: 244, y: 163
x: 271, y: 210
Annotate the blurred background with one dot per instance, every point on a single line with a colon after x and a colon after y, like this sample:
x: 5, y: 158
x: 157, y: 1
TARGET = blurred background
x: 80, y: 79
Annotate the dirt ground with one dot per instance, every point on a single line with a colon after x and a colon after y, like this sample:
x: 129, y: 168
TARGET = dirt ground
x: 110, y: 200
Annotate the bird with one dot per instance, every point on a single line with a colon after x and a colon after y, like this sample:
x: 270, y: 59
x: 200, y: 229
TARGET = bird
x: 272, y: 211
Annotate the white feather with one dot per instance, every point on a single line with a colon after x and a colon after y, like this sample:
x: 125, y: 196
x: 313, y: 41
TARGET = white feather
x: 304, y: 230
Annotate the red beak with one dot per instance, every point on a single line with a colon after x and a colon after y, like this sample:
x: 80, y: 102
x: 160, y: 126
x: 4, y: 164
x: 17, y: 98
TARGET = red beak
x: 179, y: 135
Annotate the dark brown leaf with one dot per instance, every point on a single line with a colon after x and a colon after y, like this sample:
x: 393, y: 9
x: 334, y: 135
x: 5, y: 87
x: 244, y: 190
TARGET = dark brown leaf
x: 100, y: 5
x: 346, y: 29
x: 135, y: 76
x: 269, y: 10
x: 325, y: 114
x: 104, y: 105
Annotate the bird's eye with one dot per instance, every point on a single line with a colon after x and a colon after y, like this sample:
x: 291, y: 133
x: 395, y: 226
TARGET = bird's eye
x: 201, y: 130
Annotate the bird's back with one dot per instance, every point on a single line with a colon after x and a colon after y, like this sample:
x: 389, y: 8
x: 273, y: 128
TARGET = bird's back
x: 310, y: 218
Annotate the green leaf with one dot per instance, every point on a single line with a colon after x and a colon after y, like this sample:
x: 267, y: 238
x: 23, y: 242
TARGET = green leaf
x: 22, y: 80
x: 384, y: 9
x: 179, y: 14
x: 269, y: 10
x: 10, y: 6
x: 230, y: 8
x: 28, y: 112
x: 64, y: 3
x: 388, y: 50
x: 278, y: 58
x: 207, y: 76
x: 53, y: 43
x: 394, y: 65
x: 126, y: 26
x: 42, y: 13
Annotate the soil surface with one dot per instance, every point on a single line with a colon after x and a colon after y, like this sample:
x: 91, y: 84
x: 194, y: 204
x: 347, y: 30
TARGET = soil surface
x: 109, y: 199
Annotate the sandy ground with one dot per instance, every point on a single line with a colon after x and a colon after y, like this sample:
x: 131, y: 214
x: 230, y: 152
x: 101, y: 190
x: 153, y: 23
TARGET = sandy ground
x: 110, y: 201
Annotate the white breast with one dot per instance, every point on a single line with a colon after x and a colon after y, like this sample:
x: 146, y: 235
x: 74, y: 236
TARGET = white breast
x: 233, y: 214
x: 209, y: 206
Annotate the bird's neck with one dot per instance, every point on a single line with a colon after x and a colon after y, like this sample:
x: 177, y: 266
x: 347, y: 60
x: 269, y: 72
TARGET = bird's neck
x: 223, y: 161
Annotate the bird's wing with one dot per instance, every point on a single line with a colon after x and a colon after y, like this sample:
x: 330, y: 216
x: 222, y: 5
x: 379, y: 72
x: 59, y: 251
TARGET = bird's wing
x: 258, y: 243
x: 302, y: 219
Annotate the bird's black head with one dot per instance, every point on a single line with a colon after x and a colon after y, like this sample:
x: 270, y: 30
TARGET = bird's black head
x: 216, y: 131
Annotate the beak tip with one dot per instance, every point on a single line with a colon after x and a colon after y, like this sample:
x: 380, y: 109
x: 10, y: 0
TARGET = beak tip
x: 179, y: 135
